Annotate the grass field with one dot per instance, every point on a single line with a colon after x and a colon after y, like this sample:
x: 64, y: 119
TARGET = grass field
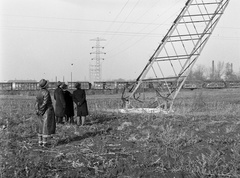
x: 200, y: 139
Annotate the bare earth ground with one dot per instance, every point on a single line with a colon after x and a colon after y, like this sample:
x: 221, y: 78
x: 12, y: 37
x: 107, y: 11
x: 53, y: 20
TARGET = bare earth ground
x: 200, y: 139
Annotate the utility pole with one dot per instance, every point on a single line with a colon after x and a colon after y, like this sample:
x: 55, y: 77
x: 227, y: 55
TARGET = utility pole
x: 95, y: 71
x: 71, y: 77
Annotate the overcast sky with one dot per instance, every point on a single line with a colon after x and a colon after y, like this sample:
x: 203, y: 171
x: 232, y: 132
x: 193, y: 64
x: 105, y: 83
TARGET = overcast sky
x: 53, y: 38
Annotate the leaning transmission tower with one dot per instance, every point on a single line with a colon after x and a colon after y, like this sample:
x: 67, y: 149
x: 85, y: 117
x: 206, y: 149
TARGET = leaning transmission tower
x: 95, y: 70
x: 169, y: 66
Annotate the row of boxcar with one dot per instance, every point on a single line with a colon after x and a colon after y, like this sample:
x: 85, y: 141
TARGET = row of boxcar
x: 211, y: 84
x: 111, y: 85
x: 187, y: 85
x: 34, y: 85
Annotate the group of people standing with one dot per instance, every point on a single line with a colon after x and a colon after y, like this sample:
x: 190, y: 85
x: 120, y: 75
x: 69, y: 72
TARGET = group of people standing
x: 48, y: 115
x: 64, y: 104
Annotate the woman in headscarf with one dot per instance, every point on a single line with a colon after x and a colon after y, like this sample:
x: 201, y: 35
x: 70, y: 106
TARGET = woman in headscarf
x: 69, y: 111
x: 45, y: 112
x: 60, y: 103
x: 79, y: 98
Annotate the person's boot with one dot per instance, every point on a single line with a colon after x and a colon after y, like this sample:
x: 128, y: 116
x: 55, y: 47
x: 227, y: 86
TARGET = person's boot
x: 45, y: 142
x: 79, y: 121
x: 66, y: 119
x: 40, y: 140
x: 60, y: 120
x: 83, y: 120
x: 57, y: 120
x: 71, y: 120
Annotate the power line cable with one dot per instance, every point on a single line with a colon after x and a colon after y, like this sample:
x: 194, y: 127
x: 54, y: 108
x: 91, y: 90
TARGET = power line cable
x: 77, y: 19
x: 105, y: 21
x: 146, y: 27
x: 148, y: 10
x: 61, y: 30
x: 24, y: 28
x: 125, y: 19
x: 115, y: 19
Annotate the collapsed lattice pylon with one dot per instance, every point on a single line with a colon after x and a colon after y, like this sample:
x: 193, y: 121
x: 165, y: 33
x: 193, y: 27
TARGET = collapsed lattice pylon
x: 169, y: 66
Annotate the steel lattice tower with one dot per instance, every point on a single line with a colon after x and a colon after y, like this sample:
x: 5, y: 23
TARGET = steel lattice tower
x: 95, y: 71
x: 172, y: 61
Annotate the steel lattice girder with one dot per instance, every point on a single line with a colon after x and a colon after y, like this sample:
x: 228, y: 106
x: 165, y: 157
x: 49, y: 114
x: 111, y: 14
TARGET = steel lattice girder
x: 181, y: 46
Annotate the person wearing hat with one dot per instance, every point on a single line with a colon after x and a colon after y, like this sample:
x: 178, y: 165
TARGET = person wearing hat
x: 79, y: 98
x: 60, y: 103
x: 69, y: 111
x: 45, y: 112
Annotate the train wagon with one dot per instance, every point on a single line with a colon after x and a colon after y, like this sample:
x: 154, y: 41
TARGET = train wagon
x: 84, y: 85
x: 52, y: 85
x: 121, y: 84
x: 192, y: 85
x: 104, y: 85
x: 98, y: 85
x: 71, y: 85
x: 124, y: 84
x: 214, y: 84
x: 232, y: 84
x: 4, y: 86
x: 110, y: 85
x: 24, y: 85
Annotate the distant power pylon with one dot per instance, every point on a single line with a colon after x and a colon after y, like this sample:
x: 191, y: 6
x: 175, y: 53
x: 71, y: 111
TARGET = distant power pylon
x: 95, y: 70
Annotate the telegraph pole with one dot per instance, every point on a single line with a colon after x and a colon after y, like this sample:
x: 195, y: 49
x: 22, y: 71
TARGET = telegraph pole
x: 95, y: 71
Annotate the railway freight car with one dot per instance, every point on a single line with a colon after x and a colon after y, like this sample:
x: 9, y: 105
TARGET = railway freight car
x: 193, y: 85
x: 5, y: 86
x: 25, y: 86
x: 124, y: 84
x: 232, y: 84
x: 84, y: 85
x: 213, y: 84
x: 104, y: 85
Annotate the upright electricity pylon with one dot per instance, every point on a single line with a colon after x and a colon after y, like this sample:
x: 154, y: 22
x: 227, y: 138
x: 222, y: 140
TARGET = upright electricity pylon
x: 95, y: 70
x: 172, y: 61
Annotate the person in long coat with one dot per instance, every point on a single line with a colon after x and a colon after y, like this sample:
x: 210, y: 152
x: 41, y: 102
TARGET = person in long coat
x: 60, y: 104
x: 79, y: 98
x: 44, y: 110
x: 69, y: 110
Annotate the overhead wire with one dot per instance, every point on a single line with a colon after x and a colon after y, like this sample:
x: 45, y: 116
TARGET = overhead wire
x: 78, y: 19
x: 24, y: 28
x: 148, y: 10
x: 146, y: 34
x: 87, y: 31
x: 125, y: 19
x: 115, y: 19
x: 132, y: 34
x: 151, y: 23
x: 106, y: 21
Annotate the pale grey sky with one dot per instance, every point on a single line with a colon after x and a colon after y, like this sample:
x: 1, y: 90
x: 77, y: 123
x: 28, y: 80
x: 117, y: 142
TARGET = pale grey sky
x: 42, y: 38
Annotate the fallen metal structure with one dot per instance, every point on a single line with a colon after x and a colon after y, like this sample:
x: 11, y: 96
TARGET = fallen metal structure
x: 172, y: 61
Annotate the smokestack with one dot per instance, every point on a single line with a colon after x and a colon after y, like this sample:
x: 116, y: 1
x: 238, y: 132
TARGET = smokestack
x: 213, y: 70
x: 232, y: 67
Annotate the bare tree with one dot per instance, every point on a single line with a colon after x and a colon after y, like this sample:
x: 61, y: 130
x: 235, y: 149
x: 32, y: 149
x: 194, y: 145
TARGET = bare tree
x: 229, y: 74
x: 198, y: 73
x: 219, y: 71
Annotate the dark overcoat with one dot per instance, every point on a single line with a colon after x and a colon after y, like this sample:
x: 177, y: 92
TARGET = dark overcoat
x: 69, y: 110
x: 60, y: 104
x: 45, y: 112
x: 79, y: 98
